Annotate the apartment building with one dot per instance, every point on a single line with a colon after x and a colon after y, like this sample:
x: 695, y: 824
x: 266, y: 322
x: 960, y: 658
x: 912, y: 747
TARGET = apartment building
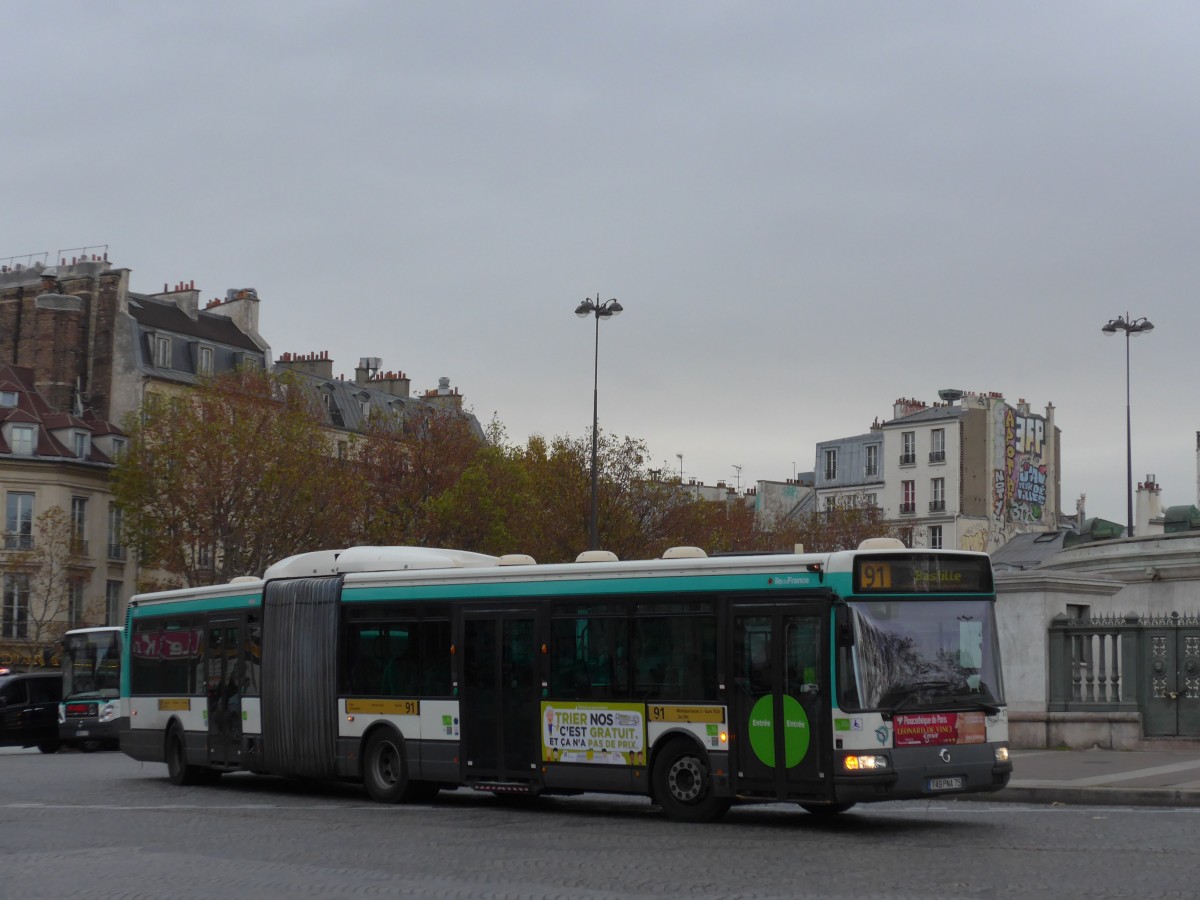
x: 967, y: 472
x: 80, y: 352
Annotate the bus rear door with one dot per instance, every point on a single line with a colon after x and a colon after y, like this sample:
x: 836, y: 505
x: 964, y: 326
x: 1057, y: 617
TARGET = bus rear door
x: 223, y: 670
x: 500, y: 697
x: 780, y: 701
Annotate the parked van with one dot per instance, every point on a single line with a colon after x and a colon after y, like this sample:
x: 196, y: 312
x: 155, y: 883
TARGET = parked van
x: 29, y: 709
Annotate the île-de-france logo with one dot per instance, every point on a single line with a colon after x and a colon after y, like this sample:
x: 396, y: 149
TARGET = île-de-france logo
x: 788, y: 580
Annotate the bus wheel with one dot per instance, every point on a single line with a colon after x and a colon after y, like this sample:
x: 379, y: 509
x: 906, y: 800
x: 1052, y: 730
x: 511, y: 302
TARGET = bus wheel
x: 683, y: 784
x: 385, y: 772
x: 825, y: 810
x: 178, y: 770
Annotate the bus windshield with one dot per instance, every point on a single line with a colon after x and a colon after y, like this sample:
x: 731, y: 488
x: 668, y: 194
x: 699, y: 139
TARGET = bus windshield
x: 921, y: 654
x: 92, y: 665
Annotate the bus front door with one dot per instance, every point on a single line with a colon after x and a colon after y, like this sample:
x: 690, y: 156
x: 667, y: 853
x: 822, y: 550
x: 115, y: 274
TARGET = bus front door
x: 780, y: 702
x: 224, y: 690
x: 500, y: 697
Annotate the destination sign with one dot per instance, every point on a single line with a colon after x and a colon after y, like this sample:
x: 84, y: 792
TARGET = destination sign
x: 918, y: 573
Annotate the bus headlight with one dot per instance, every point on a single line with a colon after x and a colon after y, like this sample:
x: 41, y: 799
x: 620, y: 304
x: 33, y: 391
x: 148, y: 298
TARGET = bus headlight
x: 866, y: 762
x: 1001, y: 753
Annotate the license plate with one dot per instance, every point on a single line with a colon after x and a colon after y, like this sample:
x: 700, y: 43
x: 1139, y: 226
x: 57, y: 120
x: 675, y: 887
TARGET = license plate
x: 945, y: 784
x: 83, y: 732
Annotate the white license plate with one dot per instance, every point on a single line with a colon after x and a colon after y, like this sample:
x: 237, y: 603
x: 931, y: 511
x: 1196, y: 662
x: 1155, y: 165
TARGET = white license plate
x: 945, y: 784
x: 82, y: 733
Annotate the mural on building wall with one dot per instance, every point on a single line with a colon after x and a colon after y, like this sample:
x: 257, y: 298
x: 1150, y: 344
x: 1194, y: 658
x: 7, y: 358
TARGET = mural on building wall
x: 1019, y: 488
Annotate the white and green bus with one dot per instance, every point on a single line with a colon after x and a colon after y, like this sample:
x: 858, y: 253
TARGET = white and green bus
x: 820, y: 679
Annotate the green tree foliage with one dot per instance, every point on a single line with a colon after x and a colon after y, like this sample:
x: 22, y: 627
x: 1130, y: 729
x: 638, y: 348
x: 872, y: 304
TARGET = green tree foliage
x: 241, y: 474
x: 843, y: 525
x: 401, y: 467
x: 232, y: 477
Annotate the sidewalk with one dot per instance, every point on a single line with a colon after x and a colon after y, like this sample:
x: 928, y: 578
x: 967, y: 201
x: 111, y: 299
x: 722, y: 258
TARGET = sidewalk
x: 1104, y: 777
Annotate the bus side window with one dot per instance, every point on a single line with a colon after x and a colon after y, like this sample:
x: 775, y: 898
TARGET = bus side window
x: 434, y: 639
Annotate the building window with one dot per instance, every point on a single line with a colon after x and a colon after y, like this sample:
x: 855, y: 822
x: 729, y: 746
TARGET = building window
x: 871, y: 501
x: 935, y: 537
x: 204, y: 364
x: 831, y: 465
x: 118, y: 448
x: 116, y: 549
x: 18, y: 521
x: 74, y: 602
x: 8, y: 398
x: 23, y: 438
x: 908, y: 498
x: 937, y: 445
x: 937, y: 494
x: 112, y: 602
x: 872, y: 460
x: 162, y: 352
x: 81, y: 444
x: 79, y: 526
x: 14, y: 621
x: 908, y: 448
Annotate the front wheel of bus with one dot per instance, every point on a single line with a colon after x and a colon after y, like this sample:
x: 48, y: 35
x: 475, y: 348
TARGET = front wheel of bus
x: 683, y: 784
x: 385, y: 770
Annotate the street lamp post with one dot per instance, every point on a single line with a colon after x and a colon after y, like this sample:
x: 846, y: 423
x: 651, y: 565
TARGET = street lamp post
x: 605, y: 310
x: 1132, y: 328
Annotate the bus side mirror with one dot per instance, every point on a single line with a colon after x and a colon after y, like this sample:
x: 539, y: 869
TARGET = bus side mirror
x: 845, y: 630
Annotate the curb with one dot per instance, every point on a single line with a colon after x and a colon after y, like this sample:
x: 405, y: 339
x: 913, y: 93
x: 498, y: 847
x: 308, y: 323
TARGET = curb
x: 1111, y: 796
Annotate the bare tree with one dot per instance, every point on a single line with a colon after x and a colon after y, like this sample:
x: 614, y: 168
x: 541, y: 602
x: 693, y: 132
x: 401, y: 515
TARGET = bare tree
x: 39, y: 585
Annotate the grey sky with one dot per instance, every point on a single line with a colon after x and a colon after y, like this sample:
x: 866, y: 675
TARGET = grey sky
x: 806, y: 209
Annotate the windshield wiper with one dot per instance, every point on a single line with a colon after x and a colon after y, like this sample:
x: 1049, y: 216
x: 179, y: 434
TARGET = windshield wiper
x: 914, y: 692
x: 974, y: 698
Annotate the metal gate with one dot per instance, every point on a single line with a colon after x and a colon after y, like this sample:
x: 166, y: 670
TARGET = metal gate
x: 1171, y: 683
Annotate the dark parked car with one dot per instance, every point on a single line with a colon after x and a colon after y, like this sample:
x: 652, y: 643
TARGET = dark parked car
x: 29, y: 709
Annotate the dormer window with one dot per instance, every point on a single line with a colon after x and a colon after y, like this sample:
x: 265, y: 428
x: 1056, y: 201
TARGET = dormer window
x: 81, y: 444
x: 204, y: 361
x: 23, y: 440
x: 8, y: 398
x: 162, y: 352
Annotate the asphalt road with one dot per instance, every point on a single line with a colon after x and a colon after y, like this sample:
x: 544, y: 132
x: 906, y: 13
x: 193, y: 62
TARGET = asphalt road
x: 101, y: 826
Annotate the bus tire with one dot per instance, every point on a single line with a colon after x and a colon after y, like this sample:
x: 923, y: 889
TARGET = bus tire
x: 683, y: 785
x: 826, y: 810
x: 178, y: 770
x: 385, y: 769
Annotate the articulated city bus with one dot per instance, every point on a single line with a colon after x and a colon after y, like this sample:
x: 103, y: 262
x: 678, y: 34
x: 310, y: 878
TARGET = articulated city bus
x: 89, y: 712
x: 820, y: 679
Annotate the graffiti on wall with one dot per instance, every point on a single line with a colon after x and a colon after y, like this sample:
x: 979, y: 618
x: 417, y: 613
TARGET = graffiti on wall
x: 1019, y: 487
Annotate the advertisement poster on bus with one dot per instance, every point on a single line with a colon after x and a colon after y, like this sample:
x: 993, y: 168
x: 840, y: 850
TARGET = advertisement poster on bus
x: 597, y: 733
x: 168, y: 644
x: 926, y: 729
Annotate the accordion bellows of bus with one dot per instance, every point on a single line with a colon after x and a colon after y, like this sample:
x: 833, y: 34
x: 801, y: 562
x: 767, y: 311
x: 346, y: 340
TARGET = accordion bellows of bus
x: 823, y: 679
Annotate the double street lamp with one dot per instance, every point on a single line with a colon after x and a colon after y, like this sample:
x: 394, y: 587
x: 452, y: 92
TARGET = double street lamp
x: 1132, y: 328
x: 606, y: 310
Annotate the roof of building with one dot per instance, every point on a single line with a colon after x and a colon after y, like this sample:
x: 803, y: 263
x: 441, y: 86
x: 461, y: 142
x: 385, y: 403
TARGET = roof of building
x: 345, y: 404
x: 163, y: 315
x: 1030, y: 550
x: 932, y: 414
x: 32, y: 409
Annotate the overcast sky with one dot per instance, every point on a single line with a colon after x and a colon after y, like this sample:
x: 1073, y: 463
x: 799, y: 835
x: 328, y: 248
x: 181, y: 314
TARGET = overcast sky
x: 807, y: 209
